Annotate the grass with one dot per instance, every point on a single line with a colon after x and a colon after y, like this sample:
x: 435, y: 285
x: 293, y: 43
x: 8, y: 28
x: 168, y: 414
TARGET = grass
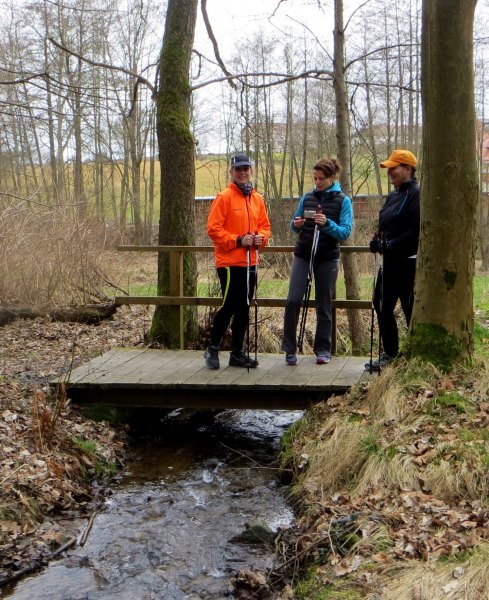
x: 481, y: 293
x: 419, y: 435
x: 481, y: 340
x: 312, y: 587
x: 86, y: 446
x: 100, y: 467
x: 436, y: 581
x: 451, y: 400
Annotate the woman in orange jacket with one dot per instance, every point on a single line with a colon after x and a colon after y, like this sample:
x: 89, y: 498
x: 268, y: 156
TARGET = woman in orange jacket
x: 238, y: 225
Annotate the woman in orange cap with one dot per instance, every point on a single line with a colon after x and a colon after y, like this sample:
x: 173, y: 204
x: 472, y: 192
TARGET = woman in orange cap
x: 397, y: 240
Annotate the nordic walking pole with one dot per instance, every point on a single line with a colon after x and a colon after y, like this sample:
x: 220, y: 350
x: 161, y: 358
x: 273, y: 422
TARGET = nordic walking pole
x: 257, y: 260
x: 381, y: 303
x: 307, y: 295
x: 248, y: 258
x: 372, y: 316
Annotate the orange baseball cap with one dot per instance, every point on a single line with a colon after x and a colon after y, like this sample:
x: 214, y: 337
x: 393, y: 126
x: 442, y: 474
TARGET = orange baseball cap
x: 399, y: 157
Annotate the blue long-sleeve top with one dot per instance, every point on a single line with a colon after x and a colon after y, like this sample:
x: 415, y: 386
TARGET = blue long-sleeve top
x: 340, y: 231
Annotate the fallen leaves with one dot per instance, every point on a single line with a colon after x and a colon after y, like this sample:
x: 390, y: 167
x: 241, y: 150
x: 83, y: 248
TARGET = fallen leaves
x: 43, y: 474
x: 441, y: 512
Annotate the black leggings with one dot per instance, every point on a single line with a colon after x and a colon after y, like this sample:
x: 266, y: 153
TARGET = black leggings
x: 234, y: 287
x: 395, y: 281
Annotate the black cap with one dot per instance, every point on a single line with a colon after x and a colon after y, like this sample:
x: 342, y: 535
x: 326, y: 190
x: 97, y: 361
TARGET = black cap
x: 241, y: 160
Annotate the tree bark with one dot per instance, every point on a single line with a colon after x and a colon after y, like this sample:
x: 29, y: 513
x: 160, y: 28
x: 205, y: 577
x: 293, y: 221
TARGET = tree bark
x: 350, y: 263
x: 177, y: 163
x: 442, y: 324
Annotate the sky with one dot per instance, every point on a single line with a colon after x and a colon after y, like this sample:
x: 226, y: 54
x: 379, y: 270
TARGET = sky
x: 233, y: 20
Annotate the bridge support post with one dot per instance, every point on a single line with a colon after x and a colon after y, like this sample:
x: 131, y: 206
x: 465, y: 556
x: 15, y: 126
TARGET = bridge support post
x: 176, y: 289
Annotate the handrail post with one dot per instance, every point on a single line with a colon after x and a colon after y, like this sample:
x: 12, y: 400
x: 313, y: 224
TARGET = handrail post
x: 176, y: 289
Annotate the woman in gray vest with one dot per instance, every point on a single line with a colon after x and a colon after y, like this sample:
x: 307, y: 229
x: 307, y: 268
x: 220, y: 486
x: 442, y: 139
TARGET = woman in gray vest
x: 324, y: 217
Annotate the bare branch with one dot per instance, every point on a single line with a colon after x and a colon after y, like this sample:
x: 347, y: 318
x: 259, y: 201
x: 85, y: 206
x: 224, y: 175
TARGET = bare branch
x: 139, y: 78
x: 322, y: 75
x: 381, y: 49
x: 28, y: 199
x: 24, y: 79
x: 284, y: 78
x: 318, y: 41
x: 210, y: 33
x: 358, y: 8
x: 278, y: 6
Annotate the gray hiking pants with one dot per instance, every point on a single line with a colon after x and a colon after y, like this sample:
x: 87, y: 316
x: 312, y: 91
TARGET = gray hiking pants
x: 325, y: 275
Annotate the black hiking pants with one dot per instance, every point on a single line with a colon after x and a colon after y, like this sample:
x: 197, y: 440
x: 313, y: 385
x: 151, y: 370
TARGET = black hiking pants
x: 395, y: 281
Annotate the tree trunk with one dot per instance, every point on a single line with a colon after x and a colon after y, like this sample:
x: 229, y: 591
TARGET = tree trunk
x: 483, y: 216
x: 177, y: 162
x: 442, y: 324
x: 350, y: 263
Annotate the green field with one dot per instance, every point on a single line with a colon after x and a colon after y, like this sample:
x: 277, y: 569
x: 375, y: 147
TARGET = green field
x: 277, y: 288
x: 211, y: 175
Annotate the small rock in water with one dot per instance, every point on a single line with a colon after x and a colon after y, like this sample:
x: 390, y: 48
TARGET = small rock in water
x: 207, y: 476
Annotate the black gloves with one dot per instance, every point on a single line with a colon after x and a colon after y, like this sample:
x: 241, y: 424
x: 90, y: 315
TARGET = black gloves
x: 379, y: 245
x: 375, y: 245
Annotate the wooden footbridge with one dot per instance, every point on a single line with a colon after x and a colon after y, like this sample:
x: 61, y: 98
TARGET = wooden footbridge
x: 178, y: 378
x: 144, y: 377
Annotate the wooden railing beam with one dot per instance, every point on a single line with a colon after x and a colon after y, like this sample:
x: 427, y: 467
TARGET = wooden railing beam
x: 176, y: 300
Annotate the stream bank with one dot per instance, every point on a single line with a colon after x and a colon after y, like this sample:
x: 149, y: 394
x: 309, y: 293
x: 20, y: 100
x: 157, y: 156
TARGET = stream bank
x: 172, y: 528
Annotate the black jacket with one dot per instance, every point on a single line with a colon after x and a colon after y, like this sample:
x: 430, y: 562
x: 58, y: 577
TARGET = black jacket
x: 399, y: 220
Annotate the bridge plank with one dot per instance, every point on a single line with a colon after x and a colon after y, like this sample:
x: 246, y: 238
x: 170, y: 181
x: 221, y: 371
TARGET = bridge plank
x: 102, y: 364
x: 149, y: 367
x: 326, y: 374
x: 171, y: 378
x: 354, y: 365
x: 258, y: 377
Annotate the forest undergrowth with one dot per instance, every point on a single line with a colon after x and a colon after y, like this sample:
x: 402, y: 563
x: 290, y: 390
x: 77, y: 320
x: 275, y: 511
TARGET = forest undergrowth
x: 390, y: 481
x: 391, y: 487
x: 55, y: 464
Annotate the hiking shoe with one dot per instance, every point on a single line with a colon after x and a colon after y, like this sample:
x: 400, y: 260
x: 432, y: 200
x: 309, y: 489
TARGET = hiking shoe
x: 322, y: 359
x: 380, y: 363
x: 239, y: 359
x: 211, y: 356
x: 291, y: 359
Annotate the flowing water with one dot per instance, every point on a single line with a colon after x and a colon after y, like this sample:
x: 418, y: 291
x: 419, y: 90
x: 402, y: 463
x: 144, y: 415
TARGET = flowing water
x: 166, y: 532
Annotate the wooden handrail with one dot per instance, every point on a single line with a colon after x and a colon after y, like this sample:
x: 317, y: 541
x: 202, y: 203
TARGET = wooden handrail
x: 176, y: 300
x: 216, y: 301
x: 267, y: 249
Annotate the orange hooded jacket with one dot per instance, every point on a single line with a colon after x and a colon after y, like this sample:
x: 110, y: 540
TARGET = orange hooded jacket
x: 231, y: 216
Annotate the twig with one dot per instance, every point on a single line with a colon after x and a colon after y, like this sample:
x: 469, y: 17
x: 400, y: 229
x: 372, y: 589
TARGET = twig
x: 71, y: 542
x: 88, y: 528
x: 12, y: 473
x: 329, y: 538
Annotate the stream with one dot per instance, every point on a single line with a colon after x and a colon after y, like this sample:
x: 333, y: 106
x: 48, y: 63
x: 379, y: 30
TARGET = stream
x: 166, y: 532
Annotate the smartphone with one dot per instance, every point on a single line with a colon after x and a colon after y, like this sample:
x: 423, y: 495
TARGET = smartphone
x: 309, y: 214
